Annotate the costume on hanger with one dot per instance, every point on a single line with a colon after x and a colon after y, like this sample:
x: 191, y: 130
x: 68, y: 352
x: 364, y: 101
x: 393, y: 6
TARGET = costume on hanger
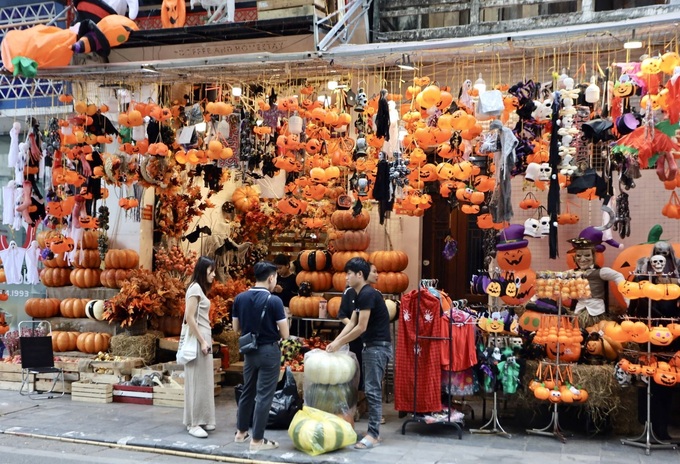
x: 500, y: 205
x: 458, y: 353
x: 13, y: 260
x: 32, y: 256
x: 381, y: 189
x: 8, y: 192
x: 13, y: 156
x: 422, y: 308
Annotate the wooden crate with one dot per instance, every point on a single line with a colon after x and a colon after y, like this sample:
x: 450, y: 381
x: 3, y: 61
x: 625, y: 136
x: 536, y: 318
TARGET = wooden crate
x: 132, y: 394
x: 277, y: 9
x: 122, y: 367
x: 89, y: 392
x: 104, y: 378
x: 173, y: 396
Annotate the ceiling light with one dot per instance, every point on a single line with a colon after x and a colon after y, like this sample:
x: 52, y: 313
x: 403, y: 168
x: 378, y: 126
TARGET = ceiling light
x: 633, y: 43
x: 405, y: 63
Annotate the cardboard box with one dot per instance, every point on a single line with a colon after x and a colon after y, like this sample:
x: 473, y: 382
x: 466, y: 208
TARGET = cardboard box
x: 89, y: 392
x: 130, y: 394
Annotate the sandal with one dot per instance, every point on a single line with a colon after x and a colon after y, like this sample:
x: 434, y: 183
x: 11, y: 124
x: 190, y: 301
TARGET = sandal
x: 264, y: 445
x: 241, y: 440
x: 366, y: 443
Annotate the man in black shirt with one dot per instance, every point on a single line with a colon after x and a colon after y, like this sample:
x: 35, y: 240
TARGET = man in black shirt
x: 286, y: 287
x: 371, y: 322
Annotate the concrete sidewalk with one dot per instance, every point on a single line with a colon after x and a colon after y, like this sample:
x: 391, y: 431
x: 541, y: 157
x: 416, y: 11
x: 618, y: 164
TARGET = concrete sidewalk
x: 159, y: 429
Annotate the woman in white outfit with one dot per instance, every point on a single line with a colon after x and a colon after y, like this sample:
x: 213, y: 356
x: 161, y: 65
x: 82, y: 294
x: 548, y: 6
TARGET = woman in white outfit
x: 199, y: 400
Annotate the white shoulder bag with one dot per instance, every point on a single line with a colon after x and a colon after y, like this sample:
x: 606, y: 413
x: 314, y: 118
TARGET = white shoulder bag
x: 188, y: 344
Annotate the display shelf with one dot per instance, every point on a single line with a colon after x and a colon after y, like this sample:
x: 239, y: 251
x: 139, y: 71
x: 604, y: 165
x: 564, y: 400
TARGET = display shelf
x: 648, y: 440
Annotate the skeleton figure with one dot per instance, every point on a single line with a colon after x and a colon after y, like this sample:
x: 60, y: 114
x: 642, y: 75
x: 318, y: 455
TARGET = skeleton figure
x: 658, y: 263
x: 644, y: 265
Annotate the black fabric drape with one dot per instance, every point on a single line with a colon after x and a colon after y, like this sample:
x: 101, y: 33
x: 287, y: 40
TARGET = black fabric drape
x: 554, y: 188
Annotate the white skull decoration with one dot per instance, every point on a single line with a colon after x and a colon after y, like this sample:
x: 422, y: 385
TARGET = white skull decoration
x: 658, y: 263
x: 544, y: 172
x: 533, y: 172
x: 544, y: 225
x: 532, y: 228
x: 362, y: 101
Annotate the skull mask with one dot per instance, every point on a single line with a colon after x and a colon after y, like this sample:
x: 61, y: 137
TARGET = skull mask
x: 658, y: 263
x: 544, y: 172
x: 544, y: 225
x: 532, y: 228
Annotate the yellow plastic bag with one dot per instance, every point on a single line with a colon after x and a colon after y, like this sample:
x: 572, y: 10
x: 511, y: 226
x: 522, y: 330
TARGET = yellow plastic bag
x: 316, y: 432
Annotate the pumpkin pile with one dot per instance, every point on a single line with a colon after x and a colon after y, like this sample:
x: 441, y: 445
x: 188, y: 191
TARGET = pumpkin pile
x: 315, y: 265
x: 349, y: 240
x: 86, y: 261
x: 57, y: 272
x: 305, y: 304
x: 556, y: 385
x: 118, y: 264
x: 390, y: 265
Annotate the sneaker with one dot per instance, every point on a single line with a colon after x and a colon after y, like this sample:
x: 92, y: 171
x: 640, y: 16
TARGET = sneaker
x: 263, y: 445
x: 208, y: 428
x: 198, y: 432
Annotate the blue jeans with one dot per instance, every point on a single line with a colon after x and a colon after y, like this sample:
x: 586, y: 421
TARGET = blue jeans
x: 375, y: 359
x: 260, y: 376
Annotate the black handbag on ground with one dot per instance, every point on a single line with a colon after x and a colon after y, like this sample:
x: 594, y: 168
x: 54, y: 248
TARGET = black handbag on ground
x: 247, y: 343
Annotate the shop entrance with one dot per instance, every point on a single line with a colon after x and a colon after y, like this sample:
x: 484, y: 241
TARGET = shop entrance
x: 454, y: 275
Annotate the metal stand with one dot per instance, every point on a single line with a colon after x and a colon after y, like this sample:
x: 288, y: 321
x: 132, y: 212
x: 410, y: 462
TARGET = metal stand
x: 493, y: 420
x: 553, y: 427
x: 648, y: 440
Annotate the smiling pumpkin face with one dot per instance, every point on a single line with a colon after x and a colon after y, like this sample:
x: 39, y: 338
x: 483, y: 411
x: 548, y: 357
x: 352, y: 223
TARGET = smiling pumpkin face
x: 667, y: 378
x: 514, y: 260
x: 660, y: 336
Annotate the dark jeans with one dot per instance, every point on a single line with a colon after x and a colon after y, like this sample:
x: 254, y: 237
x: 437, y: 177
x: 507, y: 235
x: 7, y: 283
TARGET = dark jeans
x: 260, y: 376
x: 375, y: 360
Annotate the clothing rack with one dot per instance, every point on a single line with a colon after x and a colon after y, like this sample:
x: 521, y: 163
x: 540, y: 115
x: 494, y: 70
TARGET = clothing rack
x: 647, y: 439
x: 493, y: 420
x: 415, y: 416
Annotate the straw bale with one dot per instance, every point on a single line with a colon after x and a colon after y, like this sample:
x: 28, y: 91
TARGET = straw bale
x: 135, y: 346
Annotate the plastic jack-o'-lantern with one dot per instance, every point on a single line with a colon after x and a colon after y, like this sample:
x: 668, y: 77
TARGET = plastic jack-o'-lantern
x: 667, y: 378
x: 660, y: 335
x: 525, y: 280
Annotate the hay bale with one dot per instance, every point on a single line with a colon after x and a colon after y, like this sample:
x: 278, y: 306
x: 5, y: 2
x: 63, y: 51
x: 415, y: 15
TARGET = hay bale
x: 230, y: 339
x: 606, y: 398
x: 135, y: 346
